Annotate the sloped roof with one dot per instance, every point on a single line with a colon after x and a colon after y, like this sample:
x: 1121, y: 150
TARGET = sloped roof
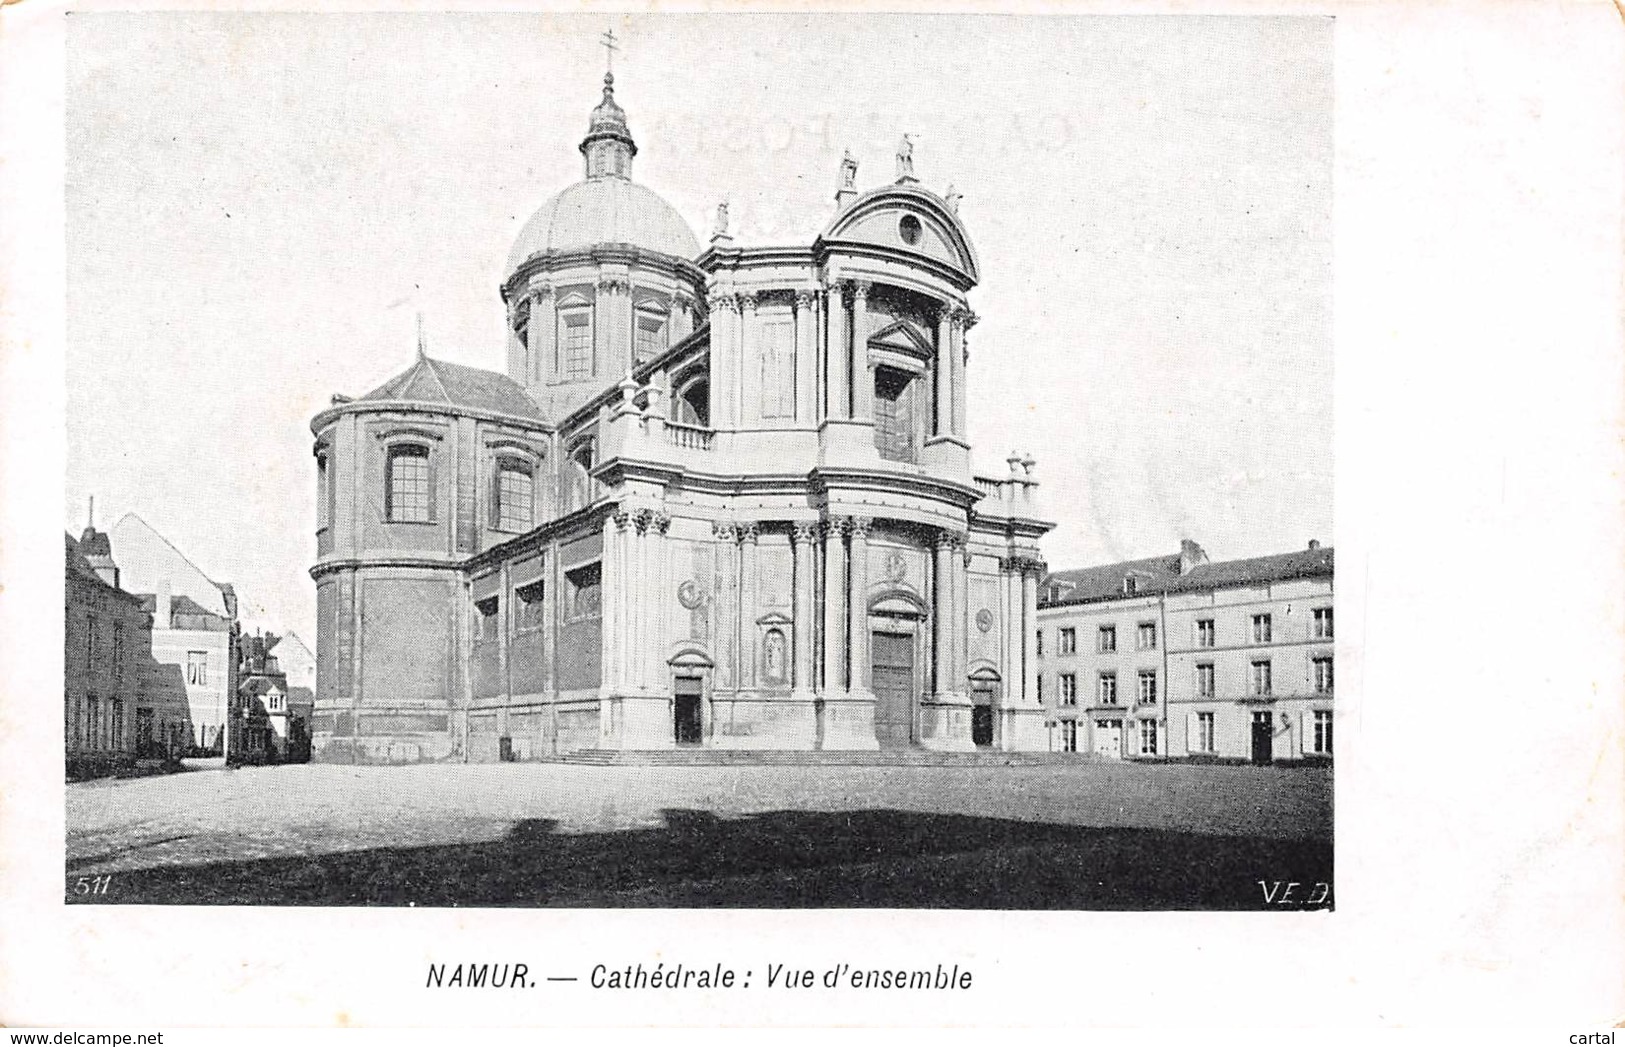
x: 1160, y: 574
x: 179, y: 604
x: 439, y: 382
x: 80, y: 567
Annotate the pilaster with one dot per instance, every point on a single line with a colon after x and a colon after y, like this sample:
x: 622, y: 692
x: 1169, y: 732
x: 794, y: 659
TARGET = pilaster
x: 749, y: 535
x: 834, y: 675
x: 837, y: 355
x: 858, y: 608
x: 802, y: 537
x: 863, y: 378
x: 544, y: 332
x: 724, y: 337
x: 806, y: 356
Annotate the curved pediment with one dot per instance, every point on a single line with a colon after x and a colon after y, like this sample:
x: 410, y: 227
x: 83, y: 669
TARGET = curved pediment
x: 909, y: 220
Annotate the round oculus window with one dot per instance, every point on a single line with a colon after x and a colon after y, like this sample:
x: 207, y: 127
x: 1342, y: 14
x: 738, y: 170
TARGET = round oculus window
x: 909, y: 229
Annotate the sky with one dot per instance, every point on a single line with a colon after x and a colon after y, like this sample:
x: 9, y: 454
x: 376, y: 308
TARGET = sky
x: 258, y: 205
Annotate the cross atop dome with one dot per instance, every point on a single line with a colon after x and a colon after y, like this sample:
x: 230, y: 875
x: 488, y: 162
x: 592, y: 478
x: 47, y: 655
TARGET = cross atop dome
x: 608, y: 147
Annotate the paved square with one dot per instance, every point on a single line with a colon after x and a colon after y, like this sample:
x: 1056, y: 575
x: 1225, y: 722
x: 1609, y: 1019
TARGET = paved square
x: 1095, y: 835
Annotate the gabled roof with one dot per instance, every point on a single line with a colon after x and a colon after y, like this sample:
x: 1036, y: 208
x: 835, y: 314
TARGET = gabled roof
x: 80, y: 567
x: 1160, y: 574
x: 438, y: 382
x: 179, y: 604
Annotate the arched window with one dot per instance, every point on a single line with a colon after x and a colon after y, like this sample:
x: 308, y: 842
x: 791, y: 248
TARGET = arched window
x: 512, y: 494
x: 408, y: 488
x: 692, y: 404
x: 578, y: 472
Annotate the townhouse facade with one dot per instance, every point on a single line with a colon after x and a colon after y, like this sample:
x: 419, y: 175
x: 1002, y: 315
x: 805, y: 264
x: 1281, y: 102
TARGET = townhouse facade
x: 1180, y: 657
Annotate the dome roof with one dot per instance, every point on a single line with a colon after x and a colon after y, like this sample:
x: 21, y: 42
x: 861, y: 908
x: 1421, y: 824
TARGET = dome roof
x: 605, y: 210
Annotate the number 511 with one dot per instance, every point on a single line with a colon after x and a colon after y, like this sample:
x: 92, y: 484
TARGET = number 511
x: 92, y: 885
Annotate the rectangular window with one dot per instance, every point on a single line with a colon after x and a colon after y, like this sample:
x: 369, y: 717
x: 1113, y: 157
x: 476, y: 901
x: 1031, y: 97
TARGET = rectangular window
x: 1147, y: 636
x: 1069, y: 641
x: 487, y: 618
x: 1323, y: 732
x: 90, y: 643
x: 118, y: 648
x: 778, y: 378
x: 1069, y: 689
x: 118, y: 724
x: 1261, y: 628
x: 1106, y: 639
x: 94, y: 732
x: 1204, y: 680
x: 197, y: 668
x: 1040, y: 696
x: 1204, y: 732
x: 1323, y: 676
x: 1069, y: 736
x: 1261, y: 678
x: 1148, y: 686
x: 651, y: 340
x: 583, y: 591
x: 1323, y: 623
x: 528, y: 612
x: 894, y: 414
x: 1148, y: 737
x: 575, y: 346
x: 1206, y: 635
x: 514, y: 495
x: 1108, y: 688
x: 1039, y: 649
x: 408, y: 497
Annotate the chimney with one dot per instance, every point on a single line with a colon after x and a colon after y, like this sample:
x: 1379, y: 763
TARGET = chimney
x: 160, y: 607
x: 1314, y: 543
x: 1190, y: 556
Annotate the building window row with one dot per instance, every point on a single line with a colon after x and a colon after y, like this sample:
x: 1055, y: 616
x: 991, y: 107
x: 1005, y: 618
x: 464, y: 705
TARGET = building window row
x: 1069, y: 689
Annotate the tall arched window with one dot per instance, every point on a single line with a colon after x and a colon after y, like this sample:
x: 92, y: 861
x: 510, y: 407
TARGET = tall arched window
x: 578, y: 472
x: 512, y: 494
x: 692, y: 404
x: 408, y: 490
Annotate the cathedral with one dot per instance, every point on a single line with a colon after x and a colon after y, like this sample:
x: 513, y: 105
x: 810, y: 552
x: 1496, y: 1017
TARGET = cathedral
x: 722, y: 497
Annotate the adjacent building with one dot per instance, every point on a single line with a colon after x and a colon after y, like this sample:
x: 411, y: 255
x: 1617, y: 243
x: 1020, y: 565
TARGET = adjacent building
x: 271, y: 724
x: 194, y: 633
x: 1177, y: 656
x: 722, y: 496
x: 106, y: 636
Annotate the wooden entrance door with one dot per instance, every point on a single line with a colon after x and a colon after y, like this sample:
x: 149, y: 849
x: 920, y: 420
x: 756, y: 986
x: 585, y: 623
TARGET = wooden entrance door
x: 892, y: 672
x: 981, y: 716
x: 686, y: 720
x: 1263, y: 737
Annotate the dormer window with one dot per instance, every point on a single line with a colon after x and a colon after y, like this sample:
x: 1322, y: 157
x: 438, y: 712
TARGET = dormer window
x: 1131, y: 585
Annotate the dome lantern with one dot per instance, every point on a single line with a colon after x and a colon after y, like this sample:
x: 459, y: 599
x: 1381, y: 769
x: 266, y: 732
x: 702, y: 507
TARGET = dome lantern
x: 608, y: 147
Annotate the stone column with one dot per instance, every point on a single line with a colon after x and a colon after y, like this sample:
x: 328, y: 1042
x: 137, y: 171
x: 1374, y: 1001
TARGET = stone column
x: 941, y: 614
x: 653, y: 595
x: 942, y: 365
x: 858, y: 609
x: 960, y: 627
x: 962, y: 321
x: 746, y: 343
x: 806, y: 357
x: 1012, y: 643
x: 724, y: 322
x: 863, y: 375
x: 544, y: 332
x: 836, y: 355
x: 802, y: 537
x: 726, y: 605
x: 676, y: 313
x: 834, y: 608
x: 749, y: 534
x: 1029, y: 629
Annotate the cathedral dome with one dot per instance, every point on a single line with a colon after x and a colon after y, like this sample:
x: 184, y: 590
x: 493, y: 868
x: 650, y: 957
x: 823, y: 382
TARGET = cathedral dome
x: 607, y: 207
x: 605, y: 210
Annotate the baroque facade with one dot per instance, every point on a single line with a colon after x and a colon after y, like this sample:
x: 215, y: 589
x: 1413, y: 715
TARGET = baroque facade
x: 721, y: 497
x: 1177, y: 656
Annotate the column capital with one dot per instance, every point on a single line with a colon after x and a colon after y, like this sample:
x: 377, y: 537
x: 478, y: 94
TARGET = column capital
x: 641, y: 518
x: 748, y: 300
x: 660, y: 520
x: 749, y: 531
x: 860, y: 290
x: 803, y: 300
x: 722, y: 303
x: 683, y: 300
x: 613, y: 285
x: 859, y: 526
x: 622, y: 517
x: 725, y: 529
x: 804, y: 533
x: 540, y: 289
x: 835, y: 526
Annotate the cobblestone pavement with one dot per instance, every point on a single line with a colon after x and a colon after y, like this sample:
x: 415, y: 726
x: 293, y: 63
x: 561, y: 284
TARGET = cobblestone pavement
x: 430, y: 834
